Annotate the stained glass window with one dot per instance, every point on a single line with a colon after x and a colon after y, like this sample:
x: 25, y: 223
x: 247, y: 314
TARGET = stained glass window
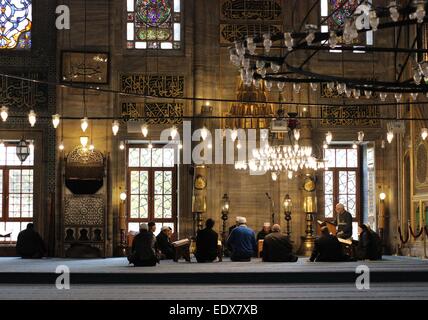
x: 15, y: 24
x: 340, y: 10
x: 153, y: 24
x: 151, y: 176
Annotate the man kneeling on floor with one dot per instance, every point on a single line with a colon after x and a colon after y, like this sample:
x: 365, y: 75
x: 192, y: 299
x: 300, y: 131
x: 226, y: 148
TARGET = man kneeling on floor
x: 277, y: 247
x: 242, y: 242
x: 143, y: 252
x: 29, y: 244
x: 327, y: 248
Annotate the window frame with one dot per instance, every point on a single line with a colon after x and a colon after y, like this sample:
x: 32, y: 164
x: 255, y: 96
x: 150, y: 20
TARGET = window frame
x: 6, y: 193
x: 335, y: 170
x: 153, y: 51
x: 151, y: 189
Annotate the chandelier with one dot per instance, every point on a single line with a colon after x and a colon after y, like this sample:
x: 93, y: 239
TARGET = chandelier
x: 280, y: 157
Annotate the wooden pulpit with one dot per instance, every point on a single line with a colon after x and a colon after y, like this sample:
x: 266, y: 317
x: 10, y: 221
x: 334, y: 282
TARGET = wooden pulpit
x: 331, y: 227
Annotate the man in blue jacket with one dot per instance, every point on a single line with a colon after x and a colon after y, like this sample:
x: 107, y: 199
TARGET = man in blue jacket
x: 242, y: 242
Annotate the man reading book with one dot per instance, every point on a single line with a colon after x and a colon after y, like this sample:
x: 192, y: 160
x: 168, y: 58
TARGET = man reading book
x: 343, y: 222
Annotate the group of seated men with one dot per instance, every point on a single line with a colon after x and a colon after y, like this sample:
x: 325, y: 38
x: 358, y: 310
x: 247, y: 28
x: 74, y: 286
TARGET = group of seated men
x: 147, y: 249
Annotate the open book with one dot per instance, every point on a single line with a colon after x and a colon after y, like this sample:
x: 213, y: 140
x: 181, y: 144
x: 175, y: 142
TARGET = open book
x: 331, y: 227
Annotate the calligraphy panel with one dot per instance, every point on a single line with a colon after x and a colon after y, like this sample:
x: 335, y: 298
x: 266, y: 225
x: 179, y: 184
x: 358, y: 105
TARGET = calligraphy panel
x: 161, y: 86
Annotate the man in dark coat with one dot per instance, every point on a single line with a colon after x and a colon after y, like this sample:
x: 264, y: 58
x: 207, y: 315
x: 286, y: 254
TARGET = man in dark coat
x: 163, y: 243
x: 143, y: 252
x: 369, y: 244
x: 264, y: 232
x: 343, y: 222
x: 327, y: 248
x: 29, y: 244
x: 206, y: 243
x: 277, y: 247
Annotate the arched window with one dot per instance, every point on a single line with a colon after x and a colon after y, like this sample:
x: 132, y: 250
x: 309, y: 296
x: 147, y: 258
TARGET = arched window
x: 340, y: 10
x: 154, y: 24
x: 15, y: 24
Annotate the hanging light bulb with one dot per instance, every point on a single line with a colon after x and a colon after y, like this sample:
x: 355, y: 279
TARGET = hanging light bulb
x: 180, y: 146
x: 61, y: 146
x: 210, y: 145
x: 360, y: 136
x: 398, y: 96
x: 424, y: 133
x: 420, y: 12
x: 368, y: 94
x: 356, y: 93
x: 84, y: 124
x: 310, y: 38
x: 268, y: 85
x: 383, y: 144
x: 417, y: 77
x: 296, y: 87
x: 91, y: 147
x: 275, y: 67
x: 325, y: 145
x: 281, y: 86
x: 32, y: 118
x: 267, y: 42
x: 290, y: 174
x: 4, y: 113
x: 389, y: 136
x: 174, y: 132
x: 122, y: 145
x: 348, y: 92
x: 314, y: 86
x: 204, y: 133
x: 383, y: 96
x: 374, y: 20
x: 144, y: 130
x: 328, y: 137
x: 393, y: 11
x: 234, y: 135
x: 239, y: 145
x: 414, y: 96
x: 84, y: 141
x: 251, y: 46
x: 115, y: 127
x: 288, y: 40
x: 150, y: 146
x: 56, y: 118
x: 354, y: 145
x: 332, y: 40
x: 274, y: 176
x: 296, y: 133
x: 1, y: 143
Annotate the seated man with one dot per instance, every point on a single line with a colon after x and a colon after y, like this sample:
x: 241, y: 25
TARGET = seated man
x: 327, y: 248
x: 206, y: 243
x: 242, y: 242
x: 29, y: 244
x: 277, y: 247
x: 369, y: 244
x: 264, y: 232
x: 343, y: 222
x: 143, y: 253
x: 163, y: 243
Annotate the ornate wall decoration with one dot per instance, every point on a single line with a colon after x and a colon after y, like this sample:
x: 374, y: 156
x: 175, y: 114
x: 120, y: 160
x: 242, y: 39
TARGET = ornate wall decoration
x: 230, y: 32
x: 250, y: 9
x: 350, y: 116
x: 163, y: 113
x: 85, y: 67
x: 162, y: 86
x: 84, y: 210
x: 421, y: 164
x: 81, y: 157
x: 23, y: 95
x: 240, y: 18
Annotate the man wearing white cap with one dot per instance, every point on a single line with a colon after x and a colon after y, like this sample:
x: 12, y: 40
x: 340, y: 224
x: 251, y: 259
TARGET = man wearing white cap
x: 264, y: 232
x: 163, y: 243
x: 242, y: 242
x: 143, y: 253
